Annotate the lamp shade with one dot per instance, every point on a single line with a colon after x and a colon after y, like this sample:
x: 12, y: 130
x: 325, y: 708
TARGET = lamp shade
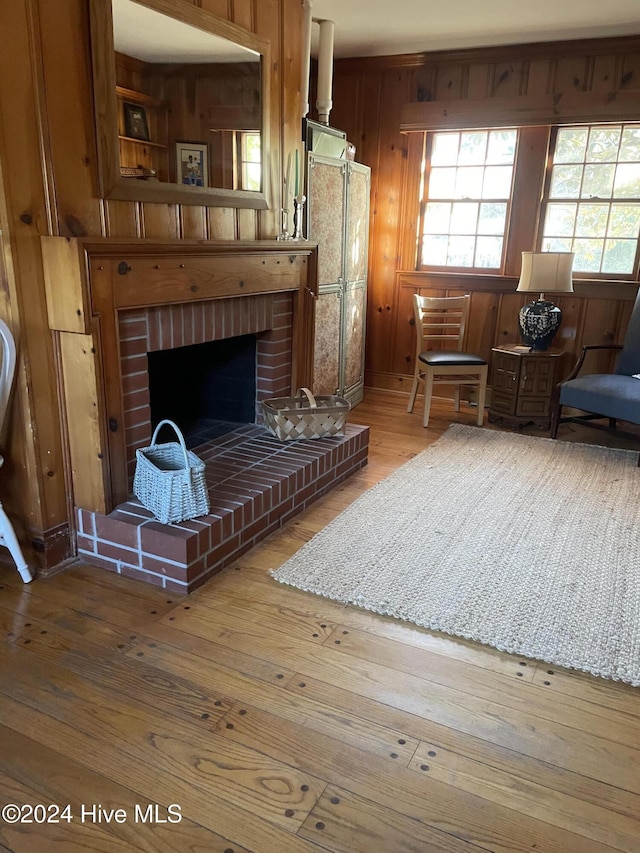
x: 543, y: 272
x: 546, y: 272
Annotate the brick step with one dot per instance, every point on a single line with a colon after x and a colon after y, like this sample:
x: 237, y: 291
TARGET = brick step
x: 256, y: 484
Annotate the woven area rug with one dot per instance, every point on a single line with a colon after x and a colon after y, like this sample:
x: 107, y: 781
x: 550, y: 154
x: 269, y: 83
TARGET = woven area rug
x: 526, y: 544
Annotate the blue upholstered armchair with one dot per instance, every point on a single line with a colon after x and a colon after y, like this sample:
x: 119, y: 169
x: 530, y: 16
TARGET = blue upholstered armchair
x: 604, y: 395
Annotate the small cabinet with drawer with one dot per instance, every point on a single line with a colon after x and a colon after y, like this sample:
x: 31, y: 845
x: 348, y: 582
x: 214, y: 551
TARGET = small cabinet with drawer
x: 521, y: 385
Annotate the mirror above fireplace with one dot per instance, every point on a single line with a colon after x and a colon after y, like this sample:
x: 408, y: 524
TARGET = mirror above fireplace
x: 181, y: 100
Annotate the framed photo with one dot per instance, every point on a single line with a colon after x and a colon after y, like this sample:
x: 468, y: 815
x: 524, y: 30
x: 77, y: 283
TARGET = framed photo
x: 135, y: 121
x: 192, y: 163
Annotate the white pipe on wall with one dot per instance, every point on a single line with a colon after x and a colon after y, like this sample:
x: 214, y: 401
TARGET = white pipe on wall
x: 306, y: 54
x: 325, y: 71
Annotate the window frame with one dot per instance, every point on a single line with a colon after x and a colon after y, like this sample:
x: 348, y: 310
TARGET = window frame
x: 527, y: 207
x: 424, y: 200
x: 545, y: 200
x: 240, y: 147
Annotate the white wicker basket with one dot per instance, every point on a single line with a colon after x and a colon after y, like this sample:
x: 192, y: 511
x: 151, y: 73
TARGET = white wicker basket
x: 305, y: 416
x: 169, y: 479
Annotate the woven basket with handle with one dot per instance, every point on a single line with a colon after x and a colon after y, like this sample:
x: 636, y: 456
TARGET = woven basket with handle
x: 305, y: 416
x: 169, y: 479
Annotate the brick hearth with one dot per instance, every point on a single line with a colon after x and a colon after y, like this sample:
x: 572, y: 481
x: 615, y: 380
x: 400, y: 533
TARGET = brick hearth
x: 256, y: 484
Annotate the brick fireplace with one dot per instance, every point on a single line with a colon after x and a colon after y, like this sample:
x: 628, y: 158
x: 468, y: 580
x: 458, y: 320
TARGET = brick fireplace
x: 139, y: 299
x: 170, y: 327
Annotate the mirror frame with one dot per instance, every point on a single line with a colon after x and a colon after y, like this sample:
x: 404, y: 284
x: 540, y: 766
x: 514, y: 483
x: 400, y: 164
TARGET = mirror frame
x: 112, y: 185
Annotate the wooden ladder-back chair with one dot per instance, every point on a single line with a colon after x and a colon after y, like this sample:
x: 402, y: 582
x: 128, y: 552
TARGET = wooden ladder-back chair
x: 442, y: 321
x: 8, y: 537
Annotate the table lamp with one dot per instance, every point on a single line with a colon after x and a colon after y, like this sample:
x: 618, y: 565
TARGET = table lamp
x: 543, y: 272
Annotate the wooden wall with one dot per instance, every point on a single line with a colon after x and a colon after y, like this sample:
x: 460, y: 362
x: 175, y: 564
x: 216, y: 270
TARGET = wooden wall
x: 49, y: 186
x: 369, y: 96
x: 186, y: 102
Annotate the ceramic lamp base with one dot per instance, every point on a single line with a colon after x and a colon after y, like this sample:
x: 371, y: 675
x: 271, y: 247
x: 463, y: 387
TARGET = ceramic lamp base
x: 539, y: 321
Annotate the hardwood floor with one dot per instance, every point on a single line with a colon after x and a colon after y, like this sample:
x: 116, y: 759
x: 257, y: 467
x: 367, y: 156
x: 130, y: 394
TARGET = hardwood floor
x: 280, y: 722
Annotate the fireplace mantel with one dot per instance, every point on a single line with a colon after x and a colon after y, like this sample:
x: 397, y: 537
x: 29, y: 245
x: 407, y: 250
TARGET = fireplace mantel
x: 90, y: 282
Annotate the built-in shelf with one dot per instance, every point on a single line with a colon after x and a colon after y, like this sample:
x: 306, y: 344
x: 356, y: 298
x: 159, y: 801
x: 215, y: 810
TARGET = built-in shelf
x: 142, y: 141
x: 150, y: 154
x: 137, y: 97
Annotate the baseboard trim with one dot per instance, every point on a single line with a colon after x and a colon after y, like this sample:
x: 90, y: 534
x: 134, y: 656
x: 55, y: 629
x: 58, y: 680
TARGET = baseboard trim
x: 50, y: 548
x: 400, y: 385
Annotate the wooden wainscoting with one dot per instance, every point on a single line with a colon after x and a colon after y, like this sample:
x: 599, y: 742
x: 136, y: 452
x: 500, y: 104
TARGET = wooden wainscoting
x: 597, y: 76
x: 590, y: 315
x: 281, y: 722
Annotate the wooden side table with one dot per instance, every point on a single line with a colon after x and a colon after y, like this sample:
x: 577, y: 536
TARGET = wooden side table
x: 521, y: 385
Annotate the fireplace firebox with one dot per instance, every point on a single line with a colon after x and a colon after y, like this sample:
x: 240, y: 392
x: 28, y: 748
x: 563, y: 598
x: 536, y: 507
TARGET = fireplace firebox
x: 207, y: 389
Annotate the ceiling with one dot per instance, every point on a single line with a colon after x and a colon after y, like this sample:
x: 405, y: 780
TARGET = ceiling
x: 153, y: 37
x: 382, y: 27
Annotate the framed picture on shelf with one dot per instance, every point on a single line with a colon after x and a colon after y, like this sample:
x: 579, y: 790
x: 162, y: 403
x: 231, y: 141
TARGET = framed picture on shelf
x: 192, y: 163
x: 135, y: 121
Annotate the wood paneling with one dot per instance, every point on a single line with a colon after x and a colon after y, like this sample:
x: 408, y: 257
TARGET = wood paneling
x: 193, y: 223
x: 160, y: 221
x: 533, y: 144
x: 222, y: 8
x: 50, y: 187
x: 121, y: 218
x: 243, y: 13
x: 270, y: 21
x: 571, y: 106
x: 82, y: 400
x: 530, y: 84
x: 33, y: 478
x: 68, y: 121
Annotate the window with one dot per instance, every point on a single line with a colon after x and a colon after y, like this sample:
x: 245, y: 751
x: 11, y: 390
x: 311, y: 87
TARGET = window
x: 250, y: 160
x: 592, y: 200
x: 465, y: 207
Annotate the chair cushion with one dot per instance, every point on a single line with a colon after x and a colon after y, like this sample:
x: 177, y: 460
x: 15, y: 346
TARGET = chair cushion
x: 448, y: 357
x: 607, y: 394
x: 629, y: 358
